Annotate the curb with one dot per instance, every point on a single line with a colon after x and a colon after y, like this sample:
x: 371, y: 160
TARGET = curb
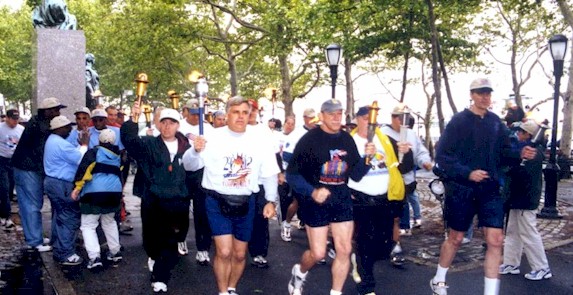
x: 59, y: 283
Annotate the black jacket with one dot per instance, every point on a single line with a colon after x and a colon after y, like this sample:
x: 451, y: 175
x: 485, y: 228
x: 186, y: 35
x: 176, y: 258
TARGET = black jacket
x: 524, y: 184
x: 164, y: 178
x: 29, y: 154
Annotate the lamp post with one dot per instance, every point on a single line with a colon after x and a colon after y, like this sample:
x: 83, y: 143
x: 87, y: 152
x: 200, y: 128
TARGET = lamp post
x: 333, y: 54
x: 558, y: 47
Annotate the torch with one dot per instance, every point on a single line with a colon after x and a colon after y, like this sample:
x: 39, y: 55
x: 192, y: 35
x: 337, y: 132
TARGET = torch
x: 372, y: 124
x: 202, y: 90
x: 537, y: 139
x: 404, y: 118
x: 174, y: 96
x: 147, y: 113
x: 140, y: 90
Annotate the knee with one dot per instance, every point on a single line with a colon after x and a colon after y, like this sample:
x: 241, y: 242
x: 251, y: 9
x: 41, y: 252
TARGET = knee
x: 318, y: 254
x: 239, y: 255
x: 224, y: 253
x: 495, y: 241
x: 455, y: 238
x: 343, y: 250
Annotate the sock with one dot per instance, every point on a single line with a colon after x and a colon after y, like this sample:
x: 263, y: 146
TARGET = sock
x: 491, y: 286
x: 231, y: 289
x: 332, y: 292
x: 440, y: 274
x: 299, y: 273
x: 397, y: 248
x: 223, y: 293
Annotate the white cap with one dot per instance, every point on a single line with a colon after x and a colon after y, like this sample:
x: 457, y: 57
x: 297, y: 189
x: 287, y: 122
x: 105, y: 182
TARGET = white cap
x: 529, y: 126
x: 49, y: 103
x: 481, y: 83
x: 83, y: 110
x: 400, y: 109
x: 170, y: 114
x: 99, y: 113
x: 59, y: 121
x: 107, y: 136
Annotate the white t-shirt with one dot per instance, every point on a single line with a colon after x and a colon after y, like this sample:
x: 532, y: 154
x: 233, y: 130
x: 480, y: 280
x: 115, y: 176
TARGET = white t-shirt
x: 233, y: 162
x: 9, y: 138
x: 172, y: 148
x: 375, y: 182
x: 191, y: 131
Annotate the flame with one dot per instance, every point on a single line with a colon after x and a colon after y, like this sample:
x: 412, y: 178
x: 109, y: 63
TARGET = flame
x: 195, y: 76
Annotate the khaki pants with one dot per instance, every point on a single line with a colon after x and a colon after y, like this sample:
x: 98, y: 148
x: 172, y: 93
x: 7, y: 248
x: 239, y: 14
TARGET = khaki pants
x: 522, y: 236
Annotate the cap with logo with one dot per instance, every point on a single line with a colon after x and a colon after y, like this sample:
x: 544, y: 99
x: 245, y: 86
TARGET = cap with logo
x: 481, y: 84
x: 169, y: 114
x: 107, y: 136
x: 331, y: 106
x: 82, y: 110
x: 13, y: 114
x: 193, y: 106
x: 50, y: 103
x: 59, y: 122
x: 362, y: 111
x: 400, y: 109
x: 99, y: 113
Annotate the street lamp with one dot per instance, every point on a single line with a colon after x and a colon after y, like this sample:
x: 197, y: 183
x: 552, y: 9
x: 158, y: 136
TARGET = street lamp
x: 333, y: 54
x: 558, y: 47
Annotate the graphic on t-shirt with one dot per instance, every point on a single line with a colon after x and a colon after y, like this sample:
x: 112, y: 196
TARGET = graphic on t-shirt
x: 11, y: 142
x: 378, y: 163
x: 236, y: 170
x: 333, y: 172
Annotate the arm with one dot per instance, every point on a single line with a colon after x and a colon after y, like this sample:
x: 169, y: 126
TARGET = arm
x: 447, y: 154
x: 134, y: 145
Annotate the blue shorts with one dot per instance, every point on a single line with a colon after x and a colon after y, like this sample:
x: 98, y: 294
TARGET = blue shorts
x: 464, y: 202
x: 336, y: 208
x: 240, y: 227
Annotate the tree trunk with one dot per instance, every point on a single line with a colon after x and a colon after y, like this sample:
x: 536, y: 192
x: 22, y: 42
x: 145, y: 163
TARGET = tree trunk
x: 286, y: 85
x: 405, y: 76
x: 435, y: 71
x: 565, y: 146
x: 233, y: 74
x: 349, y: 90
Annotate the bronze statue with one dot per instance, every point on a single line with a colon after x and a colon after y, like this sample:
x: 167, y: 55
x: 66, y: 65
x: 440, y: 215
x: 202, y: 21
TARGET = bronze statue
x: 92, y: 82
x: 53, y: 14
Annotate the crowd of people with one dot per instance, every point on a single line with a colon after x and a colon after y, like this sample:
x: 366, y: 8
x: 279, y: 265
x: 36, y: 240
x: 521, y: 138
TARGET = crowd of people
x: 351, y: 189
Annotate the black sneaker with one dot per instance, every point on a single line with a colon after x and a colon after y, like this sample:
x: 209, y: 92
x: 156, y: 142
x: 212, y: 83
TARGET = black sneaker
x: 93, y: 263
x: 115, y: 258
x: 260, y: 262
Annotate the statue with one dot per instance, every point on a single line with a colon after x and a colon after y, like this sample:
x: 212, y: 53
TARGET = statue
x: 92, y: 82
x: 53, y: 14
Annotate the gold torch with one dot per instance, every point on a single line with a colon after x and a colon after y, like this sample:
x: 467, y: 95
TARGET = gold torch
x: 140, y: 90
x: 372, y: 123
x: 174, y: 96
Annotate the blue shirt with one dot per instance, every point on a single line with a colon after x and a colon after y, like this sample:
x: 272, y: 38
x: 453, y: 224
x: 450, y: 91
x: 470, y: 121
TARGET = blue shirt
x: 94, y: 137
x: 61, y: 158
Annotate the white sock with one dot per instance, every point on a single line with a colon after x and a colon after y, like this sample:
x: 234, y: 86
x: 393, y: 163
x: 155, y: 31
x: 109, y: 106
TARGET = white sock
x: 397, y: 248
x: 300, y: 273
x: 286, y: 224
x: 332, y: 292
x: 491, y: 286
x: 223, y: 293
x: 440, y: 274
x: 231, y: 289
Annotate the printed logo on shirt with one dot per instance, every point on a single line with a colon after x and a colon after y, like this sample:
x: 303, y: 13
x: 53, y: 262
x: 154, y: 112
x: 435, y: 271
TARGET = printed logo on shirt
x: 11, y: 142
x: 378, y: 164
x: 333, y: 172
x: 236, y: 170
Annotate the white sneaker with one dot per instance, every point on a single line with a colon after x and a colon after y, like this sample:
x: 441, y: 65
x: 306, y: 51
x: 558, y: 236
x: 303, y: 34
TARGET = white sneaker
x: 7, y: 224
x: 45, y: 241
x: 182, y: 248
x: 74, y: 259
x: 285, y: 231
x: 506, y: 269
x: 296, y: 282
x: 439, y: 288
x: 405, y: 232
x: 538, y: 275
x: 466, y: 240
x: 44, y: 248
x: 159, y: 287
x: 150, y: 264
x: 417, y: 223
x: 202, y: 257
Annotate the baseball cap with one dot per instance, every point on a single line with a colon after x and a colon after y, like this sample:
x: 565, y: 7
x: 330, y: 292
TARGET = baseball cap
x: 362, y: 111
x: 529, y: 126
x: 107, y: 136
x: 400, y: 109
x: 193, y: 106
x: 13, y: 114
x: 83, y: 110
x: 309, y: 113
x: 331, y: 105
x: 482, y: 84
x: 50, y: 103
x: 99, y: 113
x: 253, y: 103
x: 169, y: 114
x: 59, y: 122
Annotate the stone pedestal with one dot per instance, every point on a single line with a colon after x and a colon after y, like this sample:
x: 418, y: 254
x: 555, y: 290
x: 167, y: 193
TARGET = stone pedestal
x: 59, y: 68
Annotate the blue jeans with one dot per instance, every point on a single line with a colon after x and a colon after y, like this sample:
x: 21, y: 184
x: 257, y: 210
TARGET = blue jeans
x: 30, y: 190
x: 66, y: 217
x: 414, y: 201
x: 5, y: 175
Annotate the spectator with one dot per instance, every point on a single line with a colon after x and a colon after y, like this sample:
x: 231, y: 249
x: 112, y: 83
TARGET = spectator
x: 10, y: 133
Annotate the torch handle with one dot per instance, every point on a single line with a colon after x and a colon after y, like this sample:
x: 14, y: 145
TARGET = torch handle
x: 403, y: 138
x: 201, y: 114
x: 136, y: 116
x: 369, y: 137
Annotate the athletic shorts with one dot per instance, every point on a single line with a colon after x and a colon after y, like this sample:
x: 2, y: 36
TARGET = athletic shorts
x: 336, y: 208
x: 240, y: 227
x: 464, y: 202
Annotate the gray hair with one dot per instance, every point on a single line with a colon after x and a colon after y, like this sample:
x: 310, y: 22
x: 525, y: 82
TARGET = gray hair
x: 218, y: 114
x: 235, y: 101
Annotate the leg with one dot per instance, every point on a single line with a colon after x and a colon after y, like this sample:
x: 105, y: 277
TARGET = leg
x: 259, y: 243
x: 513, y: 246
x: 342, y: 236
x: 67, y: 217
x: 30, y: 190
x: 5, y: 207
x: 109, y: 226
x: 450, y: 248
x: 533, y: 245
x: 222, y: 262
x: 237, y: 262
x: 202, y: 229
x: 89, y: 223
x: 414, y: 201
x: 317, y: 237
x: 494, y: 240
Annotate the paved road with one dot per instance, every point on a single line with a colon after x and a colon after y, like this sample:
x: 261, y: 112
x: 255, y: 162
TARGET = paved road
x: 466, y: 276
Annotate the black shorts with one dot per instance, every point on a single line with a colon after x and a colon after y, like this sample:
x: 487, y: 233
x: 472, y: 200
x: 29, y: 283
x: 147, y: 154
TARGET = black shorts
x: 336, y: 208
x: 392, y: 208
x: 464, y: 202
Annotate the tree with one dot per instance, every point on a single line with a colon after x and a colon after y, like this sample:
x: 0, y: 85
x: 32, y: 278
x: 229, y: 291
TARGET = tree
x: 565, y: 146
